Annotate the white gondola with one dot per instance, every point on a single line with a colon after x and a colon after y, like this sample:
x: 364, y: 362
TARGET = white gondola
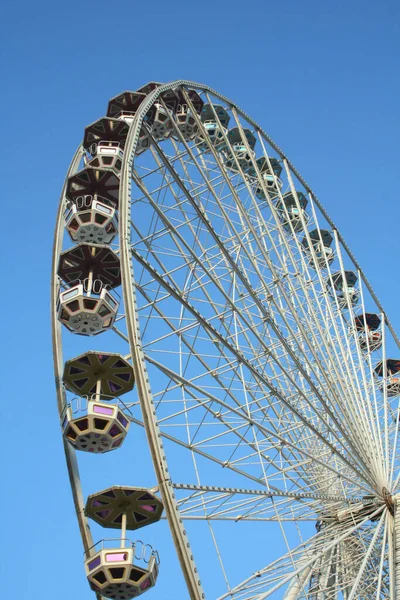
x: 323, y: 254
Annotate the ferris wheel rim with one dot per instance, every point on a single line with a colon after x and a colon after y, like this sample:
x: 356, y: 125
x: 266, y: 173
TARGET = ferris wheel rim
x: 124, y: 237
x: 69, y: 451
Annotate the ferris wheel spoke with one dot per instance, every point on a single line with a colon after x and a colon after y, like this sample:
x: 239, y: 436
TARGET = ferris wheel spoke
x: 355, y: 587
x: 213, y: 503
x: 276, y: 492
x: 394, y: 448
x: 371, y: 409
x: 361, y: 363
x: 244, y: 270
x: 225, y: 416
x: 342, y: 322
x: 205, y: 455
x: 246, y: 475
x: 382, y: 585
x: 212, y: 333
x: 305, y: 558
x: 304, y: 225
x: 270, y: 435
x: 293, y: 191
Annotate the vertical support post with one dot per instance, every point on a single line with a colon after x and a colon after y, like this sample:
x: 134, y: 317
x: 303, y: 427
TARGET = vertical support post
x: 123, y: 530
x: 90, y: 283
x: 298, y: 585
x: 98, y: 391
x: 70, y: 455
x: 396, y: 551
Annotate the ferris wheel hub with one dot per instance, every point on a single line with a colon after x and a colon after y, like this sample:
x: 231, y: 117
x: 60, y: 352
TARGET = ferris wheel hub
x: 389, y: 500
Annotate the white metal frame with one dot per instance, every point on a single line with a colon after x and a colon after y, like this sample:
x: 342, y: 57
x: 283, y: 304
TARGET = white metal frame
x: 300, y: 405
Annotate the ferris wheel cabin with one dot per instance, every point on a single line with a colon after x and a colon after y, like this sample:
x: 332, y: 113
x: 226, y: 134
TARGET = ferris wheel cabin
x: 125, y: 106
x: 215, y: 121
x: 91, y: 220
x: 320, y: 241
x: 368, y: 337
x: 270, y: 171
x: 88, y: 307
x: 184, y: 115
x: 292, y: 210
x: 100, y: 428
x: 126, y: 571
x: 122, y: 573
x: 389, y: 370
x: 90, y: 181
x: 239, y: 157
x: 160, y: 114
x: 344, y: 288
x: 89, y: 423
x: 105, y: 136
x: 85, y: 312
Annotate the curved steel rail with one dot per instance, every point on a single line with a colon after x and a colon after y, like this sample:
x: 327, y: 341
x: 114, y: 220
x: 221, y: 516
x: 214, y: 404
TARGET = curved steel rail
x: 70, y: 454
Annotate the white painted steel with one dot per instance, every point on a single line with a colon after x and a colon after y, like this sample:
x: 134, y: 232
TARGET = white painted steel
x: 246, y: 360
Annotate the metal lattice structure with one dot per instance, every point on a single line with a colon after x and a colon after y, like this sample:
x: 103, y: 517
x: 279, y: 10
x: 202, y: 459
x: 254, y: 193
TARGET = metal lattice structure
x: 260, y: 357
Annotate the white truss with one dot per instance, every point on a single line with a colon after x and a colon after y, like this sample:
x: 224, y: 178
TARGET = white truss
x: 259, y: 383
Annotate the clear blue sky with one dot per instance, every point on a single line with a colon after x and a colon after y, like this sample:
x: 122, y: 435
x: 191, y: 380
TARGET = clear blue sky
x: 322, y: 78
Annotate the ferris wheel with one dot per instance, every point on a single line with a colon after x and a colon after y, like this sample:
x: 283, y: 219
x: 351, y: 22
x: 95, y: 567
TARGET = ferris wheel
x: 241, y: 335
